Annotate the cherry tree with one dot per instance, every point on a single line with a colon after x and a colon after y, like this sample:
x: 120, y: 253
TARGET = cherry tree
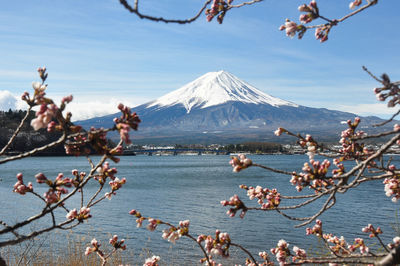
x: 61, y: 189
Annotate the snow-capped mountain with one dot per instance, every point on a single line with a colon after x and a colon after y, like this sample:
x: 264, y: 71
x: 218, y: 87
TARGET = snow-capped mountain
x: 218, y: 106
x: 215, y: 88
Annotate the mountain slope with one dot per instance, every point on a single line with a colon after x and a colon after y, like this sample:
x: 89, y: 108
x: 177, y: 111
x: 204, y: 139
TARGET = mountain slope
x: 218, y: 105
x: 215, y: 88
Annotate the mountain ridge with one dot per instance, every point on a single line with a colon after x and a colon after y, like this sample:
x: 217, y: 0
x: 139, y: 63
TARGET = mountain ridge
x: 218, y: 106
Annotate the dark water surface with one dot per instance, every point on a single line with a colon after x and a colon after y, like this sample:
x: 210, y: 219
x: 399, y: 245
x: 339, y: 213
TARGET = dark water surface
x: 174, y: 188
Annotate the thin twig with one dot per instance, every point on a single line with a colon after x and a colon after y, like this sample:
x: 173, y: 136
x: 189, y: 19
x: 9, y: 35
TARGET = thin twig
x: 34, y: 151
x: 16, y: 132
x: 135, y: 10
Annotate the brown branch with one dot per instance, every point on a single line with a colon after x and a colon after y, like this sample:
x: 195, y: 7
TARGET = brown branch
x: 382, y: 134
x: 246, y: 251
x: 244, y: 4
x: 336, y: 21
x: 272, y: 169
x: 393, y: 258
x: 371, y: 3
x: 16, y: 132
x: 33, y: 234
x: 388, y: 121
x: 201, y: 247
x: 135, y: 10
x: 328, y: 204
x: 34, y: 151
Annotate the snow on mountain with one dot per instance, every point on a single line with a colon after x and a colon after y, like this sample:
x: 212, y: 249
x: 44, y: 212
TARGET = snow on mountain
x: 215, y: 88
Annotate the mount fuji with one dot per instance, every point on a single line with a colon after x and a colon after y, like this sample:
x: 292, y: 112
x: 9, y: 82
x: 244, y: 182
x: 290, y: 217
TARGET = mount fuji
x: 219, y: 107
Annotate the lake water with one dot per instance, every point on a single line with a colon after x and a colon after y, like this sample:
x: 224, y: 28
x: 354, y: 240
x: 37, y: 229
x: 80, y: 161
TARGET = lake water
x: 174, y: 188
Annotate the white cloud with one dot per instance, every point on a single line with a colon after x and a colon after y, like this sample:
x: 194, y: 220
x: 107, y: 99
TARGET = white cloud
x: 374, y: 109
x: 10, y: 101
x: 81, y: 109
x: 88, y: 108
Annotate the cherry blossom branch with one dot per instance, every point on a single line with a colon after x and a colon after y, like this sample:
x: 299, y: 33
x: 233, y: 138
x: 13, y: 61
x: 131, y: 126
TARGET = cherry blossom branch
x: 272, y: 169
x: 312, y: 13
x: 135, y: 10
x: 244, y: 4
x: 246, y: 251
x: 33, y: 234
x: 34, y: 151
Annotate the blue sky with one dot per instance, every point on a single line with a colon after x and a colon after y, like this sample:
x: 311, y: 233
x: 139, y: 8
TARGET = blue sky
x: 102, y: 54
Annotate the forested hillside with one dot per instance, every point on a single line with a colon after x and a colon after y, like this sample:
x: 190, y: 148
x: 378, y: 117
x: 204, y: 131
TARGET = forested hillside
x: 27, y: 139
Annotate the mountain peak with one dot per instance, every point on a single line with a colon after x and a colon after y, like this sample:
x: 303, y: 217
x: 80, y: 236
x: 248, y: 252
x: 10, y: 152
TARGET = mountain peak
x: 214, y: 88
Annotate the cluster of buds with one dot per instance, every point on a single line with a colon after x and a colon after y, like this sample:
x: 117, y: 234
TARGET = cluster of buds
x: 281, y: 251
x: 316, y: 230
x: 392, y: 187
x: 218, y: 245
x: 340, y: 245
x: 48, y: 111
x: 389, y: 90
x: 321, y: 33
x: 117, y: 244
x: 372, y: 231
x: 310, y: 144
x: 264, y: 255
x: 95, y: 248
x: 396, y: 242
x: 291, y: 28
x: 355, y: 3
x: 42, y: 73
x: 78, y: 146
x: 117, y: 183
x: 392, y: 184
x: 272, y: 196
x: 236, y: 204
x: 127, y: 121
x: 174, y: 233
x: 311, y: 10
x: 153, y: 261
x: 340, y: 168
x: 44, y: 116
x: 218, y: 8
x: 83, y: 214
x: 299, y: 254
x: 104, y: 172
x: 313, y: 175
x: 56, y: 187
x: 139, y: 221
x: 20, y: 187
x: 351, y: 149
x: 239, y: 163
x: 171, y: 234
x: 359, y: 243
x: 78, y: 177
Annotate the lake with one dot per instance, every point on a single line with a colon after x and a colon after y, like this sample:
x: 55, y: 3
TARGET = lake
x: 174, y: 188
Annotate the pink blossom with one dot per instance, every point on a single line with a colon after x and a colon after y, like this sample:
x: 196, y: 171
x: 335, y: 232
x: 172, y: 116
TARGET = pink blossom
x: 67, y: 99
x: 279, y: 131
x: 20, y: 187
x: 152, y: 261
x: 116, y: 183
x: 72, y: 214
x: 152, y: 224
x: 290, y: 27
x: 354, y: 4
